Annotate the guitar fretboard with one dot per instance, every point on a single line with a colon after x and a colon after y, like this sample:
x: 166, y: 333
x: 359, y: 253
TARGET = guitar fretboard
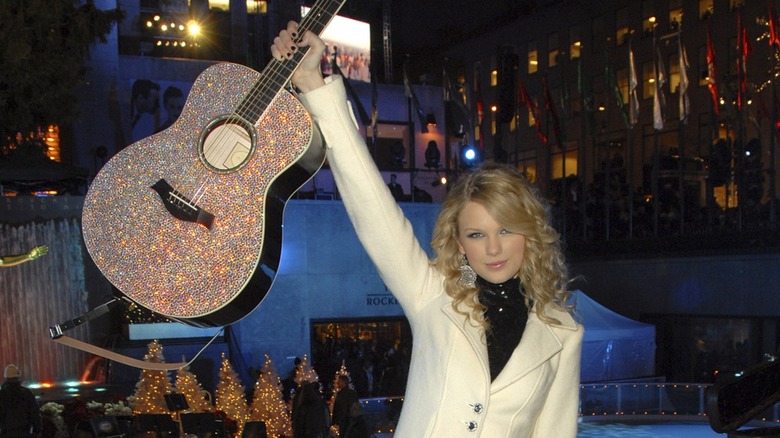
x: 277, y: 74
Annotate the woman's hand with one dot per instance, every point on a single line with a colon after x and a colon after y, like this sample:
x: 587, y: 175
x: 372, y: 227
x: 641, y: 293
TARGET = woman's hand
x: 307, y: 76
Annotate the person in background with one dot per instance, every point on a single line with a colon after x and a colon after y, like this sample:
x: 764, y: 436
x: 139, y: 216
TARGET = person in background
x: 145, y: 106
x: 173, y: 103
x: 13, y: 260
x: 496, y: 351
x: 20, y: 415
x: 395, y: 189
x: 345, y: 397
x: 310, y: 416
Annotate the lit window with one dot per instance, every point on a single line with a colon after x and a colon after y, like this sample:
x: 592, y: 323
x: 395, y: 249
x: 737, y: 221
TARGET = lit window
x: 706, y: 8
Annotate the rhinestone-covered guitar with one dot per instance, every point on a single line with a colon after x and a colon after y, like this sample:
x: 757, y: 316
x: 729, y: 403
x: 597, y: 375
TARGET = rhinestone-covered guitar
x: 188, y: 222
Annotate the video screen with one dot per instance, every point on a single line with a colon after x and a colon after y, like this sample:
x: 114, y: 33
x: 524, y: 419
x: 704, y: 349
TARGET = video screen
x: 349, y: 41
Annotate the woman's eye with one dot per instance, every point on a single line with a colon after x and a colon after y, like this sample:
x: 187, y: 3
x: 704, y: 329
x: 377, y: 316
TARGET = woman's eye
x: 474, y: 235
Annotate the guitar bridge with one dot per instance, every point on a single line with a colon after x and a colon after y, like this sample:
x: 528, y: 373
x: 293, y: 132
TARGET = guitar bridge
x: 180, y: 207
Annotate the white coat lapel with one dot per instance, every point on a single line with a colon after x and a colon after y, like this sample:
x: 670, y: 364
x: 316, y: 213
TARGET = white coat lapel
x: 474, y: 334
x: 538, y: 344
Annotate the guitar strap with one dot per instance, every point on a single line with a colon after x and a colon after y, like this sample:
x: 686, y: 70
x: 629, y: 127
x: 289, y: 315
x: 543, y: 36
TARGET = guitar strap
x: 56, y: 333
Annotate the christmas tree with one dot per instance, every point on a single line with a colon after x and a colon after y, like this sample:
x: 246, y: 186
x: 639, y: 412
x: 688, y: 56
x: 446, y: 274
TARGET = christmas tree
x: 149, y: 396
x: 198, y: 399
x: 307, y: 373
x: 230, y: 396
x: 268, y: 404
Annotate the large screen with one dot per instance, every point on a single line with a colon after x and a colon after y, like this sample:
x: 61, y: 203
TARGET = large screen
x: 350, y: 41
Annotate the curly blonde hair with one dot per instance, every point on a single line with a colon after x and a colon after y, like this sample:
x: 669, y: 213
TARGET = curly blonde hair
x: 516, y: 203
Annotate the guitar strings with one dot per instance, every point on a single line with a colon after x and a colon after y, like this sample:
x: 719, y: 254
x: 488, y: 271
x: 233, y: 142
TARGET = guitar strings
x: 267, y: 88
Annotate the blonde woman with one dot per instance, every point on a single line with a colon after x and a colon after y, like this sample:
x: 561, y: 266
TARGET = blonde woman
x: 496, y: 352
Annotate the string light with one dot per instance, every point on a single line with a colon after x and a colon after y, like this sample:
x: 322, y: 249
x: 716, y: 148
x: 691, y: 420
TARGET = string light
x: 268, y: 404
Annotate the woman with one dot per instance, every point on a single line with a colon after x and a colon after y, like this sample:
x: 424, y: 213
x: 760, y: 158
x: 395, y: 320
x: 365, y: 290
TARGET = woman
x: 496, y: 352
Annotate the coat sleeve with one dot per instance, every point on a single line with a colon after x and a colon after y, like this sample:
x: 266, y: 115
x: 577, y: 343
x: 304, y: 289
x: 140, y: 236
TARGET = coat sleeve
x: 381, y: 226
x: 560, y: 413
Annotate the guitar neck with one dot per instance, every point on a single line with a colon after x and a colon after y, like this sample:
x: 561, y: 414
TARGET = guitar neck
x: 277, y: 74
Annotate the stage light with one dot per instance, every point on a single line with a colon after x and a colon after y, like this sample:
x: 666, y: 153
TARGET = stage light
x: 470, y: 156
x: 432, y: 155
x: 193, y: 28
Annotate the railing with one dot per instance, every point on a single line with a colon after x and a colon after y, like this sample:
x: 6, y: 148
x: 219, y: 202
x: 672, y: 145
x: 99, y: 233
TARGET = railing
x: 602, y: 402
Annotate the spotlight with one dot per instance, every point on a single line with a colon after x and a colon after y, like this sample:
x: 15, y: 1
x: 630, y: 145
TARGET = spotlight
x: 470, y: 156
x: 193, y: 28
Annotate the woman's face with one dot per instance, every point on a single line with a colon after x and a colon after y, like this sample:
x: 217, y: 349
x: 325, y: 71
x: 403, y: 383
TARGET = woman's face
x: 495, y: 253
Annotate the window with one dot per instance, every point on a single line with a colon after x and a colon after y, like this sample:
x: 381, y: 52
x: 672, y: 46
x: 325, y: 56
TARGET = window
x: 332, y: 340
x: 648, y: 80
x: 648, y: 18
x: 674, y: 74
x: 706, y: 8
x: 675, y: 14
x: 533, y: 58
x: 701, y: 58
x: 493, y: 77
x: 552, y: 46
x: 575, y: 42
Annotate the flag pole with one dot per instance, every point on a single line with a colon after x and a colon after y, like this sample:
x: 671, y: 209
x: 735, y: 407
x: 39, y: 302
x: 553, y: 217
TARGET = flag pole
x: 772, y: 145
x: 682, y: 89
x: 773, y: 43
x: 656, y: 145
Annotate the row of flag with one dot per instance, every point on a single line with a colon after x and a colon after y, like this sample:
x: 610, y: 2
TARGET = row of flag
x: 631, y: 113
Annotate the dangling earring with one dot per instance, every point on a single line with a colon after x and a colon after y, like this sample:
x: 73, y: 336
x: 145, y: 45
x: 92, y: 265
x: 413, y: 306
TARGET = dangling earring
x: 467, y: 275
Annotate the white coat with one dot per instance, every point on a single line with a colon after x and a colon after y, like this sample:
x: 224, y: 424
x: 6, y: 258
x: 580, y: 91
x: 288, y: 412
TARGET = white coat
x: 449, y: 392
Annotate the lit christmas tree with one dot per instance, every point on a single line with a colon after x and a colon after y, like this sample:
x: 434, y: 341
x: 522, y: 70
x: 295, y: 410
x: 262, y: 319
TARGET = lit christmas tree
x: 149, y: 396
x: 230, y: 395
x: 198, y: 399
x: 268, y: 404
x: 307, y: 373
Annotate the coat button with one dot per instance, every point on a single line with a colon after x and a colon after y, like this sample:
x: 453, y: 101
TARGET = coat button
x: 472, y: 425
x: 477, y: 408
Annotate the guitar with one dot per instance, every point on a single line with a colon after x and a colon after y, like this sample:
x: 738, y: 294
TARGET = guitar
x: 187, y: 222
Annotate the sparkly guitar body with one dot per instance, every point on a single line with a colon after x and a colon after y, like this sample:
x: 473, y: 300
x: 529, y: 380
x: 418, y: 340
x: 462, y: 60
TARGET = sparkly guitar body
x: 187, y: 223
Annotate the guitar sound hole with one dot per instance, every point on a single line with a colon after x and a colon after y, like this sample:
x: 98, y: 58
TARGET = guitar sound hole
x: 227, y: 145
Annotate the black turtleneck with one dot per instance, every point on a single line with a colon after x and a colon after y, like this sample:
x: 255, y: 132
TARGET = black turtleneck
x: 507, y: 314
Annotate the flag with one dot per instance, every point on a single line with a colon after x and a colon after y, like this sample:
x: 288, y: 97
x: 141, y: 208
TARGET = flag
x: 549, y: 105
x: 612, y: 84
x: 774, y: 32
x: 711, y: 74
x: 524, y: 99
x: 632, y: 84
x: 585, y: 88
x: 685, y: 105
x: 743, y: 49
x: 659, y: 100
x: 456, y: 114
x: 415, y: 102
x: 480, y: 108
